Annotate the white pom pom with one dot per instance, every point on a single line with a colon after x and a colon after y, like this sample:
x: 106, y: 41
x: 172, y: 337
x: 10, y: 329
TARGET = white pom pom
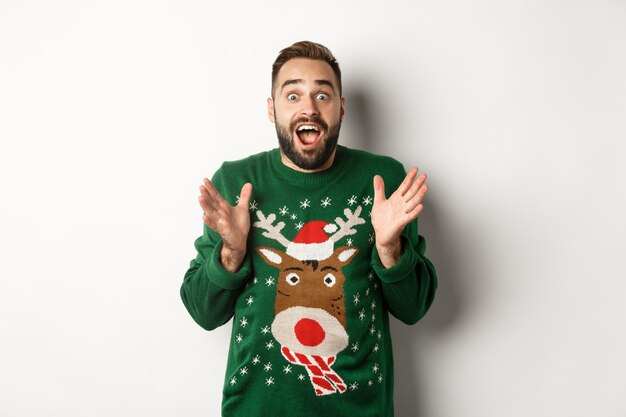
x: 330, y: 228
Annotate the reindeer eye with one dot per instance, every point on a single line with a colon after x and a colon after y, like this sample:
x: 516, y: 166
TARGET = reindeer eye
x: 293, y: 278
x: 329, y: 280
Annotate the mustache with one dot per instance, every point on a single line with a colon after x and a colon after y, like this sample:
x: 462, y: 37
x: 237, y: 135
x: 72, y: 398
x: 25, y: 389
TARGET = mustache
x: 315, y: 120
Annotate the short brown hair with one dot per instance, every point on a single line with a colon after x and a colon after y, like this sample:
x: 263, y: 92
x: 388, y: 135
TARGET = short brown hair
x: 306, y: 49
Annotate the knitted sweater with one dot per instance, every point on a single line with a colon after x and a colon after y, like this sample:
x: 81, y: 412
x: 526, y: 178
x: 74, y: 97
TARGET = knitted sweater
x: 310, y: 333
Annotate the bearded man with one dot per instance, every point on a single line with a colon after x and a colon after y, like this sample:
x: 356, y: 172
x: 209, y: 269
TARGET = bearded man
x: 306, y: 250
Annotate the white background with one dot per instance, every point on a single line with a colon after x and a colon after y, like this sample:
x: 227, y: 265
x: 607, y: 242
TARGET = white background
x: 111, y: 112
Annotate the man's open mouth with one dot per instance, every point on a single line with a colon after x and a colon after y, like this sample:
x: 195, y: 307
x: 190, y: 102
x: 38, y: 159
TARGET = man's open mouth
x: 308, y: 133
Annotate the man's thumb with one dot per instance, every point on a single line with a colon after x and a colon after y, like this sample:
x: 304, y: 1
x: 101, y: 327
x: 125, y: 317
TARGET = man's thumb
x: 379, y: 188
x: 245, y: 194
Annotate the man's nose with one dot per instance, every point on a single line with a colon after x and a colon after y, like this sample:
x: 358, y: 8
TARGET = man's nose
x: 309, y: 107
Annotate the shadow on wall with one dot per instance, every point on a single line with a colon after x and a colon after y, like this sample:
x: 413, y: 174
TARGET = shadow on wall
x: 449, y: 304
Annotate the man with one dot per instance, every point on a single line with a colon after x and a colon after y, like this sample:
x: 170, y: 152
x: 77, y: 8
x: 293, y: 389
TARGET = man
x: 309, y: 254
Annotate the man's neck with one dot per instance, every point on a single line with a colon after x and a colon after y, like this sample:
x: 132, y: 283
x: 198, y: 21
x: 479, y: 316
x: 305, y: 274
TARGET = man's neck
x: 289, y: 163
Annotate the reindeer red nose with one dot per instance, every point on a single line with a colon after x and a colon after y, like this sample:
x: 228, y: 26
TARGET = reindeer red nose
x: 309, y: 332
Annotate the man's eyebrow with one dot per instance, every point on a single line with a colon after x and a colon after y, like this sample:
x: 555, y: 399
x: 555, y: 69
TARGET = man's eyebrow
x: 299, y: 81
x: 325, y: 82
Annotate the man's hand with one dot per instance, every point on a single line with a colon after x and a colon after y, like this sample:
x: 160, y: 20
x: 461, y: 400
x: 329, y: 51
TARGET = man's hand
x: 231, y: 223
x: 390, y: 216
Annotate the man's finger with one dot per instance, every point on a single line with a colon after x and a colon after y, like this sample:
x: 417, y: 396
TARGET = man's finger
x: 206, y: 201
x: 415, y: 212
x: 379, y: 188
x: 415, y: 187
x: 408, y: 180
x: 417, y: 199
x: 215, y: 195
x: 245, y: 194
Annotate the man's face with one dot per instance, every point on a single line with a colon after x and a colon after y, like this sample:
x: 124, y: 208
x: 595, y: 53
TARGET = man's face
x: 307, y: 110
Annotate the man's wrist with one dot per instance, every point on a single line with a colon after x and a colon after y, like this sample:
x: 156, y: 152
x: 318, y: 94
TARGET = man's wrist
x: 231, y: 259
x: 389, y: 253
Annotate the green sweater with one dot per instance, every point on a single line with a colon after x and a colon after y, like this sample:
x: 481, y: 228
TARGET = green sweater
x: 310, y: 333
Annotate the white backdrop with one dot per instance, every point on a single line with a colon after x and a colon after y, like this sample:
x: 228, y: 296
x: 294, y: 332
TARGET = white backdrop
x: 111, y: 112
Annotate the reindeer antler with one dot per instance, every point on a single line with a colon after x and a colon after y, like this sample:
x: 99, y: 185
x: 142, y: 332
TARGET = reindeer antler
x: 345, y: 227
x: 272, y: 231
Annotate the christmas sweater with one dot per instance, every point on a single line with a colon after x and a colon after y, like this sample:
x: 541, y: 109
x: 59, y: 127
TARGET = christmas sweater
x: 310, y: 303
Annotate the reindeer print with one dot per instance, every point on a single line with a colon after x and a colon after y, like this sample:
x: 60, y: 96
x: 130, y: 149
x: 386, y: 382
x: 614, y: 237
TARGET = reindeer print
x: 310, y: 320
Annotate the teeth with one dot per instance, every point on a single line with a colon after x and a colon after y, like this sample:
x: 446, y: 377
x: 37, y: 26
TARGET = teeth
x: 307, y: 127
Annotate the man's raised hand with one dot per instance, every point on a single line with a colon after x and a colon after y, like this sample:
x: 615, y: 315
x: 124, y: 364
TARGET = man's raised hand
x: 391, y: 215
x: 232, y: 223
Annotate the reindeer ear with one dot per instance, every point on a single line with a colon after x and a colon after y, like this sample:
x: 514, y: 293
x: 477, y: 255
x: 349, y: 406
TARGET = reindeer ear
x: 345, y: 254
x: 271, y: 256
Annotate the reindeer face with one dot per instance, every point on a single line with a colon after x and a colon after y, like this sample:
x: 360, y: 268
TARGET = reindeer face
x: 309, y: 307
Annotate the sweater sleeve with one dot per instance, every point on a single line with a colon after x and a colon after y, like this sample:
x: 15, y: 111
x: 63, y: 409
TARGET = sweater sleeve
x: 409, y: 286
x: 209, y: 291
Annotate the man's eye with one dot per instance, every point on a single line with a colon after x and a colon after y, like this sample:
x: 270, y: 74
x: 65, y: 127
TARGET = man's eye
x: 292, y: 97
x: 322, y: 96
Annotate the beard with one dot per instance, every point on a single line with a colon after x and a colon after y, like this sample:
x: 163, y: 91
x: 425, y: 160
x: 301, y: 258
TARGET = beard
x: 311, y: 158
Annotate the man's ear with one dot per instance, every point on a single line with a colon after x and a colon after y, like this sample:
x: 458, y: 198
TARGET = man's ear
x: 343, y: 107
x: 270, y: 109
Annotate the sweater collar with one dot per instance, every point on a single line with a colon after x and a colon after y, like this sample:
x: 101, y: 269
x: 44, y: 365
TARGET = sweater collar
x: 308, y: 178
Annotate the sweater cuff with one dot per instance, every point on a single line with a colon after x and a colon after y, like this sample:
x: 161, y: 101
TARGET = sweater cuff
x: 401, y: 270
x: 223, y: 278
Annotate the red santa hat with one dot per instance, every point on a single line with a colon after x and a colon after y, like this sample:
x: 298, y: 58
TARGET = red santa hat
x: 311, y: 243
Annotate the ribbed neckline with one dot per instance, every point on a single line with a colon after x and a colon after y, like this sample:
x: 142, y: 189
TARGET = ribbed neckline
x: 306, y: 178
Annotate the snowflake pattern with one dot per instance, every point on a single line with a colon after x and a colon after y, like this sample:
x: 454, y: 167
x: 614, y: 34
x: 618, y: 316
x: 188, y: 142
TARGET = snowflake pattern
x: 293, y: 216
x: 233, y: 380
x: 249, y: 300
x: 243, y: 322
x: 375, y: 368
x: 373, y: 330
x: 305, y: 204
x: 349, y: 242
x: 256, y: 360
x: 270, y: 281
x: 352, y: 200
x: 265, y: 329
x: 371, y: 238
x: 299, y: 225
x: 376, y: 348
x: 354, y: 386
x: 367, y: 200
x: 254, y: 205
x: 362, y: 314
x: 269, y: 345
x: 301, y: 377
x: 239, y: 338
x: 243, y: 371
x: 287, y: 369
x: 283, y: 210
x: 370, y: 382
x: 326, y: 202
x: 355, y: 346
x: 255, y: 280
x: 269, y: 381
x: 357, y: 298
x: 380, y: 379
x: 267, y: 367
